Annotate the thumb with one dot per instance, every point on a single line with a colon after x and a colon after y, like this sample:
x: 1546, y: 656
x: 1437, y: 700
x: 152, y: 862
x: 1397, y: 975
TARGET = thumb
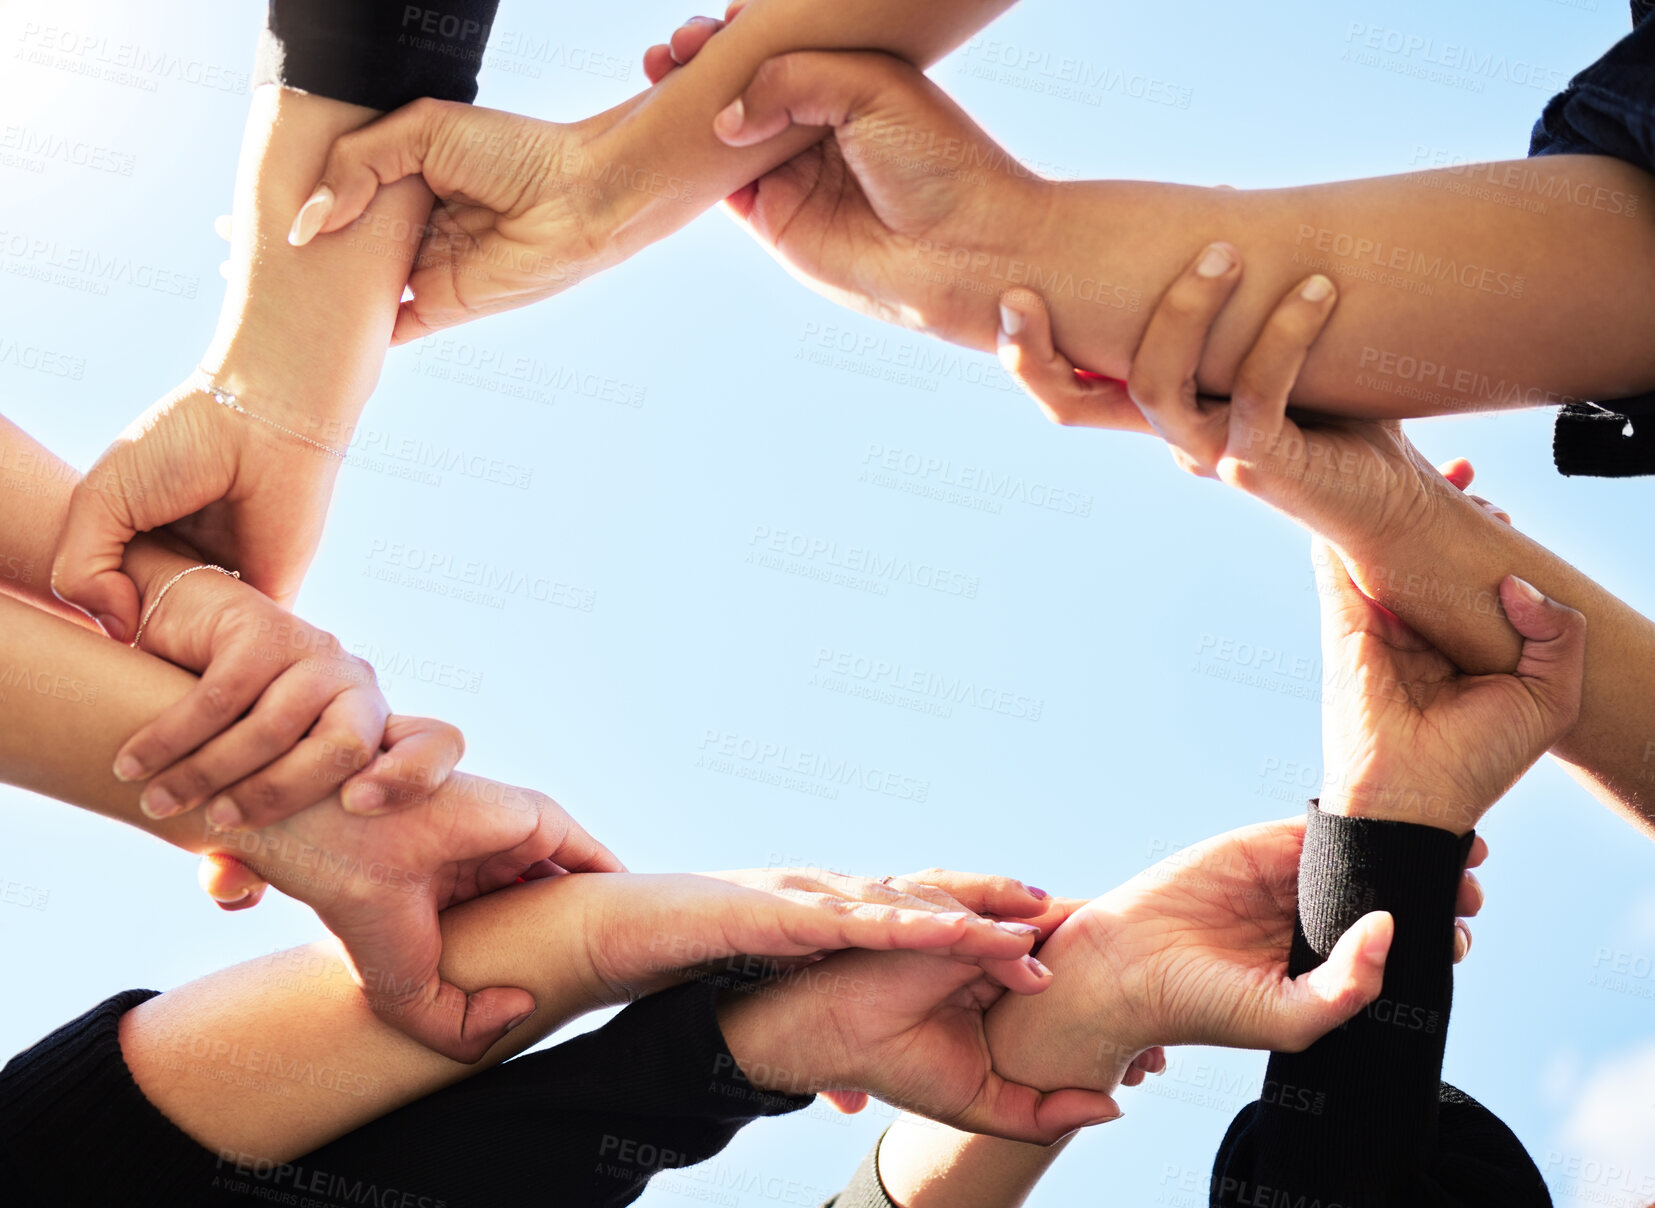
x: 86, y: 571
x: 1027, y: 353
x: 380, y: 153
x: 847, y: 1102
x: 809, y: 88
x: 393, y: 958
x: 1553, y: 659
x: 1350, y: 978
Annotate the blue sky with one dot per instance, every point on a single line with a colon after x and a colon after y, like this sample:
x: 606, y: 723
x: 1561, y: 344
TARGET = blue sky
x: 695, y: 406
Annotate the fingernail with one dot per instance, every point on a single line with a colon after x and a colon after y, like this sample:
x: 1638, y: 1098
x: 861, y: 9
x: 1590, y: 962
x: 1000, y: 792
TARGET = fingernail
x: 731, y: 118
x: 1317, y: 288
x: 703, y: 21
x: 954, y: 916
x: 157, y: 803
x: 363, y: 798
x: 518, y: 1022
x: 1020, y: 930
x: 112, y: 625
x: 311, y: 216
x: 1035, y: 967
x: 1011, y: 322
x: 224, y: 813
x: 222, y: 227
x: 1216, y: 262
x: 1103, y: 1120
x: 1037, y: 893
x: 1528, y: 590
x: 226, y: 903
x: 128, y: 768
x: 1377, y: 947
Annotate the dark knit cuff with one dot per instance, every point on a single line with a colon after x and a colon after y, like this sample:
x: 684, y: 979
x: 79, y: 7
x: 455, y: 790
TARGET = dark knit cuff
x: 865, y: 1189
x: 76, y: 1123
x: 375, y: 53
x: 1611, y: 440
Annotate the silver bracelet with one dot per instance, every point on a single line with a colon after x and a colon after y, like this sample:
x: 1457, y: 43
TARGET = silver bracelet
x: 227, y: 398
x: 168, y: 586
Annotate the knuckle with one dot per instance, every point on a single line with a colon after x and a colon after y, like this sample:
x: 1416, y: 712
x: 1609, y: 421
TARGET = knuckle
x: 260, y: 799
x: 188, y: 781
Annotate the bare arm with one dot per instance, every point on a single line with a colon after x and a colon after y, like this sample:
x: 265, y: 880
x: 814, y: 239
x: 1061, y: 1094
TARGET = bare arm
x: 926, y: 1165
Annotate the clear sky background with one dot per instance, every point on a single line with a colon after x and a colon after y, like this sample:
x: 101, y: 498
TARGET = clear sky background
x: 732, y: 409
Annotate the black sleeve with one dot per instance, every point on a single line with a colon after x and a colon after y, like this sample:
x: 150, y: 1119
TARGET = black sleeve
x: 375, y: 52
x: 865, y: 1189
x: 1361, y: 1118
x: 593, y: 1118
x: 1608, y: 109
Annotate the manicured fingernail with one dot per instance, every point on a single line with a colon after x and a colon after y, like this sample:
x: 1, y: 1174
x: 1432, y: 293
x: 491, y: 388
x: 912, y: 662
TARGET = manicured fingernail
x: 311, y: 216
x: 703, y: 21
x: 730, y: 119
x: 1317, y: 288
x: 128, y: 767
x: 226, y: 903
x: 1035, y: 967
x: 157, y: 803
x: 112, y: 625
x: 1037, y: 893
x: 1529, y: 591
x: 1011, y: 322
x: 224, y: 813
x: 363, y: 798
x: 1216, y: 262
x: 1020, y: 930
x: 518, y: 1022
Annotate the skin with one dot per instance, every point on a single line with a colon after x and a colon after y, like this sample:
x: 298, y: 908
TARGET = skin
x: 1409, y: 535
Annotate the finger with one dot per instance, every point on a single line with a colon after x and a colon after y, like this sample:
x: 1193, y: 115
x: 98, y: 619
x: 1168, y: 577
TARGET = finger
x: 1553, y: 658
x: 1258, y: 397
x: 277, y: 721
x: 86, y: 570
x: 688, y: 39
x: 847, y: 1102
x: 1462, y: 940
x: 1321, y: 1000
x: 342, y: 740
x: 658, y: 63
x: 1469, y: 898
x: 1479, y: 852
x: 1151, y: 1061
x: 804, y: 89
x: 984, y: 893
x: 380, y: 153
x: 1051, y: 379
x: 1458, y: 471
x: 225, y: 690
x: 229, y: 882
x: 1493, y: 509
x: 1162, y: 378
x: 1345, y: 609
x: 419, y: 754
x: 1021, y: 1113
x: 393, y: 945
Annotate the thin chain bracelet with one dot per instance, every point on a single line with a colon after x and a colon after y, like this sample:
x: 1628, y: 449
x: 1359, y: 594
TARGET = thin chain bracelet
x: 168, y: 586
x: 227, y: 398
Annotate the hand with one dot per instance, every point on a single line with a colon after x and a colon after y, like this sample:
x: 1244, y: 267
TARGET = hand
x: 1192, y: 951
x: 281, y: 718
x: 646, y: 931
x: 903, y: 1027
x: 1406, y: 735
x: 243, y: 494
x: 521, y: 209
x: 908, y: 213
x: 1357, y: 483
x: 378, y: 884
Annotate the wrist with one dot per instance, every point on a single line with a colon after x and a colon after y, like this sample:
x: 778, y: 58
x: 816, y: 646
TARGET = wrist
x: 775, y: 1047
x: 1443, y: 809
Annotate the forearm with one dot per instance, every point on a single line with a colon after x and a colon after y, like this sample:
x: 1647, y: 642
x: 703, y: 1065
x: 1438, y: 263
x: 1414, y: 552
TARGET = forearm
x: 1444, y: 581
x: 1446, y: 303
x: 217, y: 1055
x: 34, y: 499
x: 670, y: 131
x: 926, y: 1165
x: 303, y: 331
